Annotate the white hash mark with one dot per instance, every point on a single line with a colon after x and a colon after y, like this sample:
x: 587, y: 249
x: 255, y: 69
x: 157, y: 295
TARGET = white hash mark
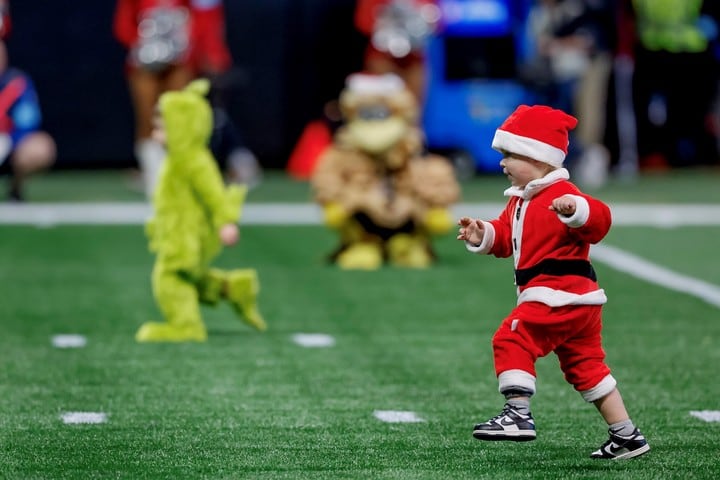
x: 395, y: 416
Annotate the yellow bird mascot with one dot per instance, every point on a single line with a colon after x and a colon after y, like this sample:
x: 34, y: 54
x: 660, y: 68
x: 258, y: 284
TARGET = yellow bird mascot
x: 385, y: 197
x: 195, y: 215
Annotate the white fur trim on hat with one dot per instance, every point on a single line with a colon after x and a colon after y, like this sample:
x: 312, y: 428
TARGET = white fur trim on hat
x: 366, y: 84
x: 530, y: 147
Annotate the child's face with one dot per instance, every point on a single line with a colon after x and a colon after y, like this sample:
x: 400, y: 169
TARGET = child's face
x: 521, y: 170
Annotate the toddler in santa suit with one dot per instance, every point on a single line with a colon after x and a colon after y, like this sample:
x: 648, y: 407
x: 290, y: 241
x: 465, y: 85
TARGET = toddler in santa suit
x: 547, y: 227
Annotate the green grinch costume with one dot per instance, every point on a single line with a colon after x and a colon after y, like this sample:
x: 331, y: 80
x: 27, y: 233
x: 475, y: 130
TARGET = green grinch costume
x: 191, y: 204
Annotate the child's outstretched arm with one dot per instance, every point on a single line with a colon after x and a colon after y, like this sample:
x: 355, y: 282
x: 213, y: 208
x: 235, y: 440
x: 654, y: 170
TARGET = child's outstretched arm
x: 471, y: 230
x: 588, y: 218
x: 229, y: 234
x: 564, y: 205
x: 223, y: 204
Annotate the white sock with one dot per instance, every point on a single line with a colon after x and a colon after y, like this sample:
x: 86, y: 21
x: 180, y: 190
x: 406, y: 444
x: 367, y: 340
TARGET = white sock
x: 150, y: 155
x: 624, y: 428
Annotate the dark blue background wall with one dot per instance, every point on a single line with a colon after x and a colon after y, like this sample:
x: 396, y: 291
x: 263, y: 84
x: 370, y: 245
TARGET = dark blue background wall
x: 293, y: 56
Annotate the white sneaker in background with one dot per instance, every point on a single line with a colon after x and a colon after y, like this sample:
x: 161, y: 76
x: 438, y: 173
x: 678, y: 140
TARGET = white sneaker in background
x: 244, y: 168
x: 593, y: 167
x: 150, y: 155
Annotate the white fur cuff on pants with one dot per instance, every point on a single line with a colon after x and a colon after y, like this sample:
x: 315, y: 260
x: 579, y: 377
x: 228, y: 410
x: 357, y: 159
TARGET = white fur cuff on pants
x: 605, y: 386
x: 516, y: 378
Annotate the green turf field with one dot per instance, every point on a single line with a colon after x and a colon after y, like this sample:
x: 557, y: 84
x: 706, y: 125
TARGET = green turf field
x: 679, y: 186
x: 260, y: 406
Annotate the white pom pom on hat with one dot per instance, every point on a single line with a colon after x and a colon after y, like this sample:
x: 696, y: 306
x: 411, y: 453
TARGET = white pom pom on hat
x: 538, y: 131
x: 369, y: 84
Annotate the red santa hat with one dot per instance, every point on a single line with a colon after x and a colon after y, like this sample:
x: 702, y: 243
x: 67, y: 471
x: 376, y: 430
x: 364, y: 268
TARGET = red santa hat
x: 538, y: 132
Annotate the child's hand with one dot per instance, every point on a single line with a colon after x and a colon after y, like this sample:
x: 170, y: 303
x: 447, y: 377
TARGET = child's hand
x: 564, y: 205
x: 471, y: 230
x: 229, y: 234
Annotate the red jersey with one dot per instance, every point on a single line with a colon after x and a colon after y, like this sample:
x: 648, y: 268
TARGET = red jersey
x: 367, y: 11
x: 208, y: 51
x: 4, y: 19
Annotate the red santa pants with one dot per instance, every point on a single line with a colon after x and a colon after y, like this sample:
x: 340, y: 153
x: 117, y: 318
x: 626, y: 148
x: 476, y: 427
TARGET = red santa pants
x: 533, y: 330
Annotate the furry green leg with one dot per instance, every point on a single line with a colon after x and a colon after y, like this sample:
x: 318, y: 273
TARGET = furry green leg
x: 243, y: 287
x: 212, y: 285
x: 177, y: 298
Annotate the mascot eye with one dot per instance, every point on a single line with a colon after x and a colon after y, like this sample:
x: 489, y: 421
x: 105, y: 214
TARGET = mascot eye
x: 373, y: 112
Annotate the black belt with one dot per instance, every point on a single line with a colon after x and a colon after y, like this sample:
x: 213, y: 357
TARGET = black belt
x: 553, y: 266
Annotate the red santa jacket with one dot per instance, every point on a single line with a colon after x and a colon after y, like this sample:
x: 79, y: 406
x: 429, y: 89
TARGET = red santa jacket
x: 551, y: 252
x: 209, y: 52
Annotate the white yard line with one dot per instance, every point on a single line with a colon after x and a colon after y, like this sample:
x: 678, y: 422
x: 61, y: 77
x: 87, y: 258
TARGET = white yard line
x: 397, y: 416
x: 135, y: 213
x: 68, y: 340
x: 75, y: 418
x: 706, y: 415
x: 650, y: 272
x: 314, y: 340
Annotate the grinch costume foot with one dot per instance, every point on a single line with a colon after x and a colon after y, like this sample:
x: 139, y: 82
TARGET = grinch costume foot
x: 167, y: 332
x: 243, y: 287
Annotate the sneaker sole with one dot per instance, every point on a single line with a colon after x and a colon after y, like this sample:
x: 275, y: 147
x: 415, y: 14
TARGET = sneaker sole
x: 508, y: 436
x: 634, y: 453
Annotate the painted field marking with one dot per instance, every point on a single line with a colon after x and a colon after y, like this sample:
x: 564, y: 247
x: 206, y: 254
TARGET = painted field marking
x: 136, y: 213
x: 397, y: 416
x: 314, y: 340
x: 69, y: 340
x: 658, y: 215
x: 650, y: 272
x: 75, y: 418
x: 706, y: 415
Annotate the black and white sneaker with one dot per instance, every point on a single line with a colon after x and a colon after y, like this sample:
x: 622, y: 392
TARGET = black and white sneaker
x: 508, y: 425
x: 618, y: 447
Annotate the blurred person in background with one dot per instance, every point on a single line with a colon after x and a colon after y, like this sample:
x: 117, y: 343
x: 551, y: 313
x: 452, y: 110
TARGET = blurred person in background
x: 574, y: 42
x: 396, y: 33
x: 675, y: 80
x: 24, y: 148
x: 169, y: 43
x: 227, y: 142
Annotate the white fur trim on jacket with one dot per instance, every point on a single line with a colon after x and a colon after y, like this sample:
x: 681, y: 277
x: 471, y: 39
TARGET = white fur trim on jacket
x: 559, y: 298
x: 581, y: 215
x: 530, y: 147
x: 487, y: 242
x: 536, y: 186
x: 516, y: 378
x: 605, y: 386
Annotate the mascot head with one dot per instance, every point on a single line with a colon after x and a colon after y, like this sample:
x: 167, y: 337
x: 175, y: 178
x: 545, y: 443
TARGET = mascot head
x: 186, y: 116
x: 379, y: 111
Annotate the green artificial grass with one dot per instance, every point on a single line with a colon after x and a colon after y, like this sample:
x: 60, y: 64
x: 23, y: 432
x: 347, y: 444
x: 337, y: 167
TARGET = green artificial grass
x: 689, y: 250
x: 691, y: 185
x: 257, y: 405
